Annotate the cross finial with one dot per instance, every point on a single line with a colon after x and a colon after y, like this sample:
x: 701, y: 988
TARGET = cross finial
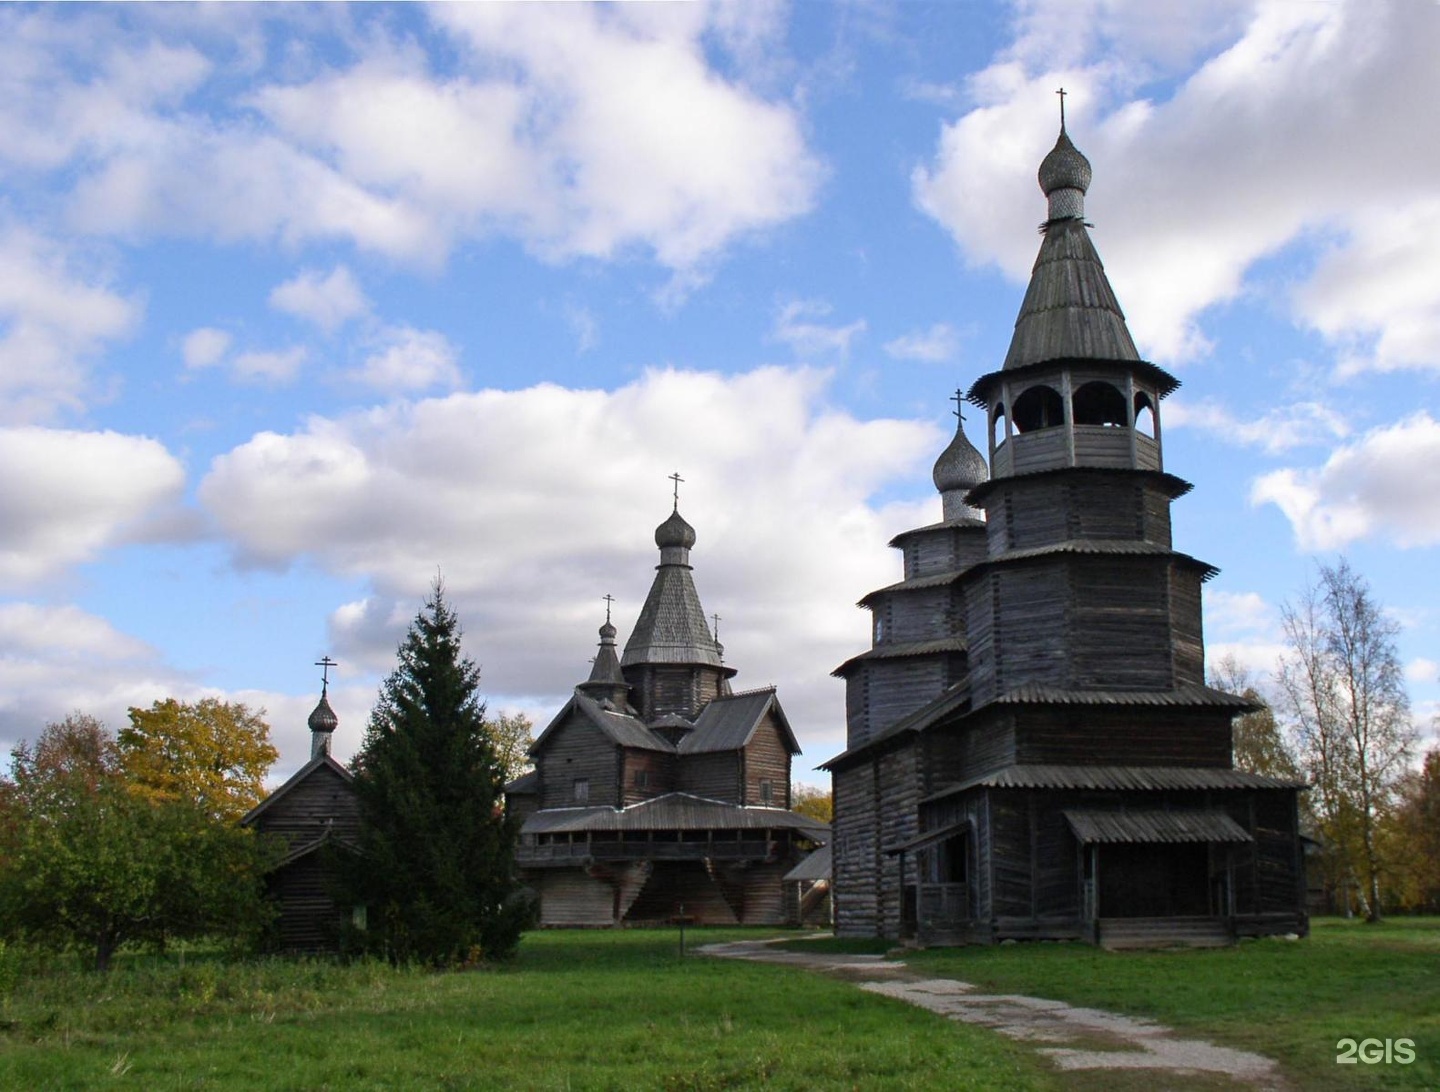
x: 608, y: 600
x: 325, y: 663
x: 715, y: 618
x: 959, y: 410
x: 1061, y: 93
x: 677, y: 479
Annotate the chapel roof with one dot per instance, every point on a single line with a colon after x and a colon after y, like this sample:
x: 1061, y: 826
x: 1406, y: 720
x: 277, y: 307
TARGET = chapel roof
x: 672, y: 628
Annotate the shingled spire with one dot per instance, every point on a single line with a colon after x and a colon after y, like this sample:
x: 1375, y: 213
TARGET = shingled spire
x: 672, y: 659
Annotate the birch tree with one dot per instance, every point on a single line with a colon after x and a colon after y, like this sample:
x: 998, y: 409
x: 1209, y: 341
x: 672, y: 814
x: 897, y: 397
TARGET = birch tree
x: 1343, y: 692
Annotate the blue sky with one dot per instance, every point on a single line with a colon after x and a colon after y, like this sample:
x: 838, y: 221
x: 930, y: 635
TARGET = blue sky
x: 301, y: 305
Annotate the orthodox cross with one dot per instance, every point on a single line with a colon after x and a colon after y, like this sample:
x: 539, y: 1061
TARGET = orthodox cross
x: 959, y: 410
x: 608, y: 600
x: 716, y: 619
x: 325, y: 663
x: 1061, y: 93
x: 677, y: 479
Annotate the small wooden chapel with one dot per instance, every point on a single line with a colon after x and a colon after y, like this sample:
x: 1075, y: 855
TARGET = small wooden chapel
x: 314, y: 812
x: 1032, y: 751
x: 658, y: 791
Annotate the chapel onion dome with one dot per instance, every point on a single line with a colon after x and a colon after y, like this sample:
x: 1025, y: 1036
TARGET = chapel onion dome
x: 675, y: 532
x: 959, y: 469
x: 608, y: 633
x: 323, y: 718
x: 1064, y: 177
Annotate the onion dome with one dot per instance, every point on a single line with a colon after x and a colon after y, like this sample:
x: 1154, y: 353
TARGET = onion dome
x: 323, y: 718
x: 1064, y: 177
x: 675, y: 532
x: 323, y: 721
x: 959, y: 469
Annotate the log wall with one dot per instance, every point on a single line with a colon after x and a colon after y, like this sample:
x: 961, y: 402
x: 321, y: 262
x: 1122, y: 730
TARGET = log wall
x: 715, y: 776
x: 575, y: 750
x: 767, y: 759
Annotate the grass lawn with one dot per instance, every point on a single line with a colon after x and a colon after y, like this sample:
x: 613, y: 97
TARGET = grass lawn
x: 1291, y: 1001
x: 576, y: 1010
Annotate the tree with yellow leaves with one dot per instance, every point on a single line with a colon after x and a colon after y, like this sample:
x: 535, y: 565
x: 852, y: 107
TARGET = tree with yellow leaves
x: 210, y: 752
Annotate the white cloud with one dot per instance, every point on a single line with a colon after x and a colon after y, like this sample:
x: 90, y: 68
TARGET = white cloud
x: 1421, y: 670
x: 535, y: 503
x: 797, y: 325
x: 1298, y: 424
x: 1250, y: 154
x: 269, y: 367
x: 205, y: 347
x: 937, y: 345
x: 329, y: 301
x: 1386, y: 483
x: 407, y: 359
x: 66, y: 496
x: 581, y: 131
x: 55, y: 317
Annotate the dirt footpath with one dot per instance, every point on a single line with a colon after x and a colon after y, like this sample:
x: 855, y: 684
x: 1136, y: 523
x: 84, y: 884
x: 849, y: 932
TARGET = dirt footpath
x: 1073, y: 1038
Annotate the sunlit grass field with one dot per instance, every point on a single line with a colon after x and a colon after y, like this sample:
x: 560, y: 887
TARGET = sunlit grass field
x: 576, y: 1010
x: 1292, y: 1001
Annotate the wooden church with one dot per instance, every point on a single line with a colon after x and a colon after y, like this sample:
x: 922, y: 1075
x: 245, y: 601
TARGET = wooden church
x: 315, y: 812
x: 658, y: 791
x: 1032, y: 751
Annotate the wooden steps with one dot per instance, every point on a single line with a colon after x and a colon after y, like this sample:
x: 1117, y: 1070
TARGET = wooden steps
x: 1129, y: 933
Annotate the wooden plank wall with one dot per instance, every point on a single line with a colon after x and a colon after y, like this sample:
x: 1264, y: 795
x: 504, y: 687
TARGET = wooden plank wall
x: 1120, y: 628
x: 571, y: 896
x: 899, y: 687
x: 767, y: 759
x: 858, y: 727
x: 981, y: 638
x: 898, y: 807
x: 658, y: 768
x: 958, y: 754
x: 323, y: 799
x: 309, y: 919
x: 1009, y: 815
x: 856, y: 851
x: 1187, y: 639
x: 1032, y: 639
x: 578, y: 749
x: 715, y: 776
x: 1122, y: 736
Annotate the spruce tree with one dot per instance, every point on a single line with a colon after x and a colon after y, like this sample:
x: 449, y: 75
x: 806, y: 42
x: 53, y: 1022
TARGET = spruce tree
x: 435, y: 869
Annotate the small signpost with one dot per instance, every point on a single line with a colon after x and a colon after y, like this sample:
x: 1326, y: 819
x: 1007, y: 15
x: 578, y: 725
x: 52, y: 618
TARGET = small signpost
x: 682, y: 919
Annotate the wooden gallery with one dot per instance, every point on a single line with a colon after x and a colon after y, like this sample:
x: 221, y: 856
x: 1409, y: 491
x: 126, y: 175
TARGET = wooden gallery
x: 1031, y: 749
x: 657, y: 790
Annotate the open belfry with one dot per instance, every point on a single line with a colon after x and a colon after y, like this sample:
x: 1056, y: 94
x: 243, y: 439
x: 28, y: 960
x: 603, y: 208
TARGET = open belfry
x: 1032, y: 751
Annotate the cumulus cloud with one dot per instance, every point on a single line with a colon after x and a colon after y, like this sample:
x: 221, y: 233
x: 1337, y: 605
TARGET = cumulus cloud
x: 66, y: 496
x: 798, y: 325
x: 534, y: 504
x: 572, y: 129
x: 1384, y: 483
x: 56, y: 316
x: 205, y: 347
x: 406, y: 359
x: 329, y: 301
x: 1248, y: 155
x: 937, y: 345
x: 1298, y: 424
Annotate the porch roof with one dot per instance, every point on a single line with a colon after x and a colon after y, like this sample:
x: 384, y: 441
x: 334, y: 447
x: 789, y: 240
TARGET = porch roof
x: 1154, y: 825
x: 928, y: 838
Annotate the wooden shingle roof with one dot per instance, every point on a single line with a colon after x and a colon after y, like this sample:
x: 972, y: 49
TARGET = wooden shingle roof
x: 1152, y: 825
x: 1070, y: 310
x: 728, y: 722
x: 673, y: 811
x: 1122, y: 778
x: 621, y: 728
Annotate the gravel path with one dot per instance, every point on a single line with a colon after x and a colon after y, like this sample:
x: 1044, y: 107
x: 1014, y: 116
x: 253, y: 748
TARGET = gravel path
x: 1073, y: 1038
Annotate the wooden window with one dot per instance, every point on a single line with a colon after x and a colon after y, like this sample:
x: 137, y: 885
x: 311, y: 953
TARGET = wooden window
x: 642, y: 779
x: 582, y: 790
x: 767, y: 792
